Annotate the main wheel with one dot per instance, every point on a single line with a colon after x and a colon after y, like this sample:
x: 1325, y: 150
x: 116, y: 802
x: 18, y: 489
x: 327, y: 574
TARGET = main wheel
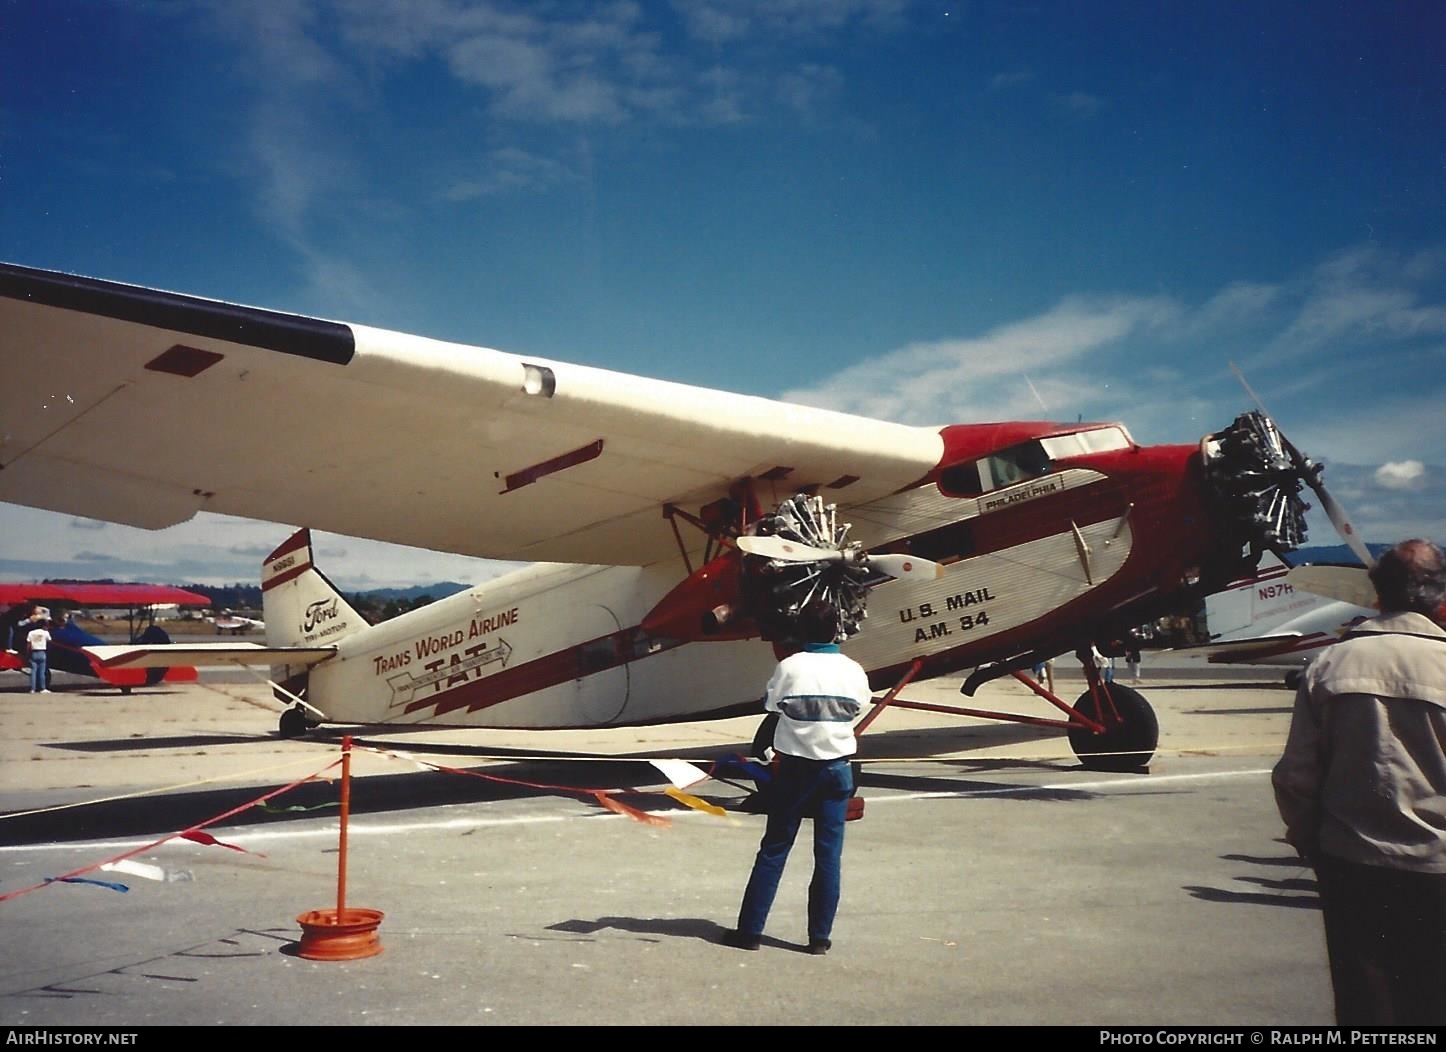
x: 1128, y: 742
x: 1292, y: 679
x: 294, y: 723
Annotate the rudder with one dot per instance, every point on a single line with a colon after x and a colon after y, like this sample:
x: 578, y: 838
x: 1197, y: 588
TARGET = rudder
x: 300, y: 606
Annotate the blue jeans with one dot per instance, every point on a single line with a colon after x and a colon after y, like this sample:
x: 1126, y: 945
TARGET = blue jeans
x: 818, y: 787
x: 37, y: 671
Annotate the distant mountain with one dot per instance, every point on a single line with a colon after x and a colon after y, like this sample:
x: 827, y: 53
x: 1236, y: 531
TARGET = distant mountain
x: 248, y: 596
x: 437, y: 591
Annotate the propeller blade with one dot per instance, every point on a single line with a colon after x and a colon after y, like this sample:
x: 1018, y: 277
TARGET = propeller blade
x: 786, y: 550
x: 1311, y: 473
x: 905, y: 566
x: 1343, y: 526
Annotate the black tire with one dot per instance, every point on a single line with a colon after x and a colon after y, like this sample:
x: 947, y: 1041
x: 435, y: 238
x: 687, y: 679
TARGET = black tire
x: 1127, y: 744
x: 294, y: 723
x: 1292, y: 679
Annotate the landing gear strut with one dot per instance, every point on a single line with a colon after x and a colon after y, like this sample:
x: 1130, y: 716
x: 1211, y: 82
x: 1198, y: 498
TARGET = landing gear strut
x: 1110, y: 727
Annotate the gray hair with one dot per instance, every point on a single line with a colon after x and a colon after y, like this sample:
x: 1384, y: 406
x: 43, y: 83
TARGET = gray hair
x: 1411, y: 576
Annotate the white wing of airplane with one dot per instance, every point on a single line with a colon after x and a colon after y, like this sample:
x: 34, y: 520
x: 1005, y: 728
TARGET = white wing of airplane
x: 180, y: 655
x: 378, y: 434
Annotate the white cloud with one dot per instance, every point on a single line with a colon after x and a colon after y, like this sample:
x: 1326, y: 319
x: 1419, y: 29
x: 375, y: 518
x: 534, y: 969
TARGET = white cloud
x: 806, y: 88
x: 1079, y: 104
x: 1003, y: 81
x: 510, y: 170
x: 1401, y: 474
x: 946, y: 380
x: 215, y: 549
x: 1363, y: 296
x: 738, y: 20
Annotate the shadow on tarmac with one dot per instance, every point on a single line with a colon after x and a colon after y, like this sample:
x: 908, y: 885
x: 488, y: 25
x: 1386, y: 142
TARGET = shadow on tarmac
x: 138, y: 743
x: 1292, y: 892
x: 670, y: 927
x: 371, y: 795
x: 656, y: 929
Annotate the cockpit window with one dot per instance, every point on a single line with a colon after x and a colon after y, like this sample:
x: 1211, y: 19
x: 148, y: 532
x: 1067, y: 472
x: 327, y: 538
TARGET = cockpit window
x: 1028, y: 460
x: 1020, y: 463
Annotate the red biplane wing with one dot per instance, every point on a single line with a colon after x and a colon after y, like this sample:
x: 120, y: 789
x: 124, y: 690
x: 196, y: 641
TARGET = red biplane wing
x: 101, y: 595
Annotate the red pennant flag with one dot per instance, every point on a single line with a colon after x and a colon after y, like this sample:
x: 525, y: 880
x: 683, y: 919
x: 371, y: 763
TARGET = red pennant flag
x: 199, y: 836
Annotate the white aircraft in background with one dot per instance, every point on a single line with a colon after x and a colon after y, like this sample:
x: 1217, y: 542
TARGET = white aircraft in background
x: 1285, y: 617
x: 234, y: 624
x: 678, y: 530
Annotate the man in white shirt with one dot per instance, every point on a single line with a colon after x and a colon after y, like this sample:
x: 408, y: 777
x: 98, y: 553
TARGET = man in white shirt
x: 818, y: 693
x: 37, y: 644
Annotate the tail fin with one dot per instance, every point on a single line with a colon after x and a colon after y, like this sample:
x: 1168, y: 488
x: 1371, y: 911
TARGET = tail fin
x: 300, y: 606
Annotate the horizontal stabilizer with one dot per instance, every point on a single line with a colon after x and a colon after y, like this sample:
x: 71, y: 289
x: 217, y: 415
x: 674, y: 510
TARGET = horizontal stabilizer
x: 208, y: 655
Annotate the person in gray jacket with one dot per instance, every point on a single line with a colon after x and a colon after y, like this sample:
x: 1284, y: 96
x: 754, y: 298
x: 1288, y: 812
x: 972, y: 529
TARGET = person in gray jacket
x: 1362, y: 788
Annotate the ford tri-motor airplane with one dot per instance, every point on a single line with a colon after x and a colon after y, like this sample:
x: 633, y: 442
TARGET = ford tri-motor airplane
x: 674, y: 532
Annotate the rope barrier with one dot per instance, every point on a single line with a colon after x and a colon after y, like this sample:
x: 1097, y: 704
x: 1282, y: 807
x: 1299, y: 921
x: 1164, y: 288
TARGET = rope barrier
x: 141, y: 793
x: 189, y: 833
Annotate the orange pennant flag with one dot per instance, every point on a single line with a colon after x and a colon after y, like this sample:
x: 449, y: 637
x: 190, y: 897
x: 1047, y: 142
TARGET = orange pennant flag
x: 632, y: 812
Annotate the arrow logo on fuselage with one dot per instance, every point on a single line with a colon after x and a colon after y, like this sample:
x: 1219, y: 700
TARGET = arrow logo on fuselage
x: 405, y: 684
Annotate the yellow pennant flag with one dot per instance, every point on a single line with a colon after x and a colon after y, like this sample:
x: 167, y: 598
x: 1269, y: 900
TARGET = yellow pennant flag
x: 692, y: 801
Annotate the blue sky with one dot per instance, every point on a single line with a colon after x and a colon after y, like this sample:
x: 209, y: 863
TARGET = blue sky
x: 929, y: 212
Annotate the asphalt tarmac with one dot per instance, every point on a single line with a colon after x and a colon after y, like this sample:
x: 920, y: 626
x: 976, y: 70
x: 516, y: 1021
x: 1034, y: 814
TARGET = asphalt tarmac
x: 991, y: 880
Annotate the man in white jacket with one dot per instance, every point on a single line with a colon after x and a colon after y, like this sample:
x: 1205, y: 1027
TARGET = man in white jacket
x: 1362, y: 789
x: 817, y: 693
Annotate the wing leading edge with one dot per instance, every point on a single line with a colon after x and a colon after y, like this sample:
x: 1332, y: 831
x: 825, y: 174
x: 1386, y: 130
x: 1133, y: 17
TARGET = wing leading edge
x: 373, y: 433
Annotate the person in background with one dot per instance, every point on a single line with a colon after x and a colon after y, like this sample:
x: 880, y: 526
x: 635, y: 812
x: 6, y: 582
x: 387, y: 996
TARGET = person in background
x: 37, y: 644
x: 1132, y: 661
x: 1362, y: 789
x: 1044, y: 673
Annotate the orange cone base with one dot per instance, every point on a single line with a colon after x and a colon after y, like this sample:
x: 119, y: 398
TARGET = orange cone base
x: 327, y: 936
